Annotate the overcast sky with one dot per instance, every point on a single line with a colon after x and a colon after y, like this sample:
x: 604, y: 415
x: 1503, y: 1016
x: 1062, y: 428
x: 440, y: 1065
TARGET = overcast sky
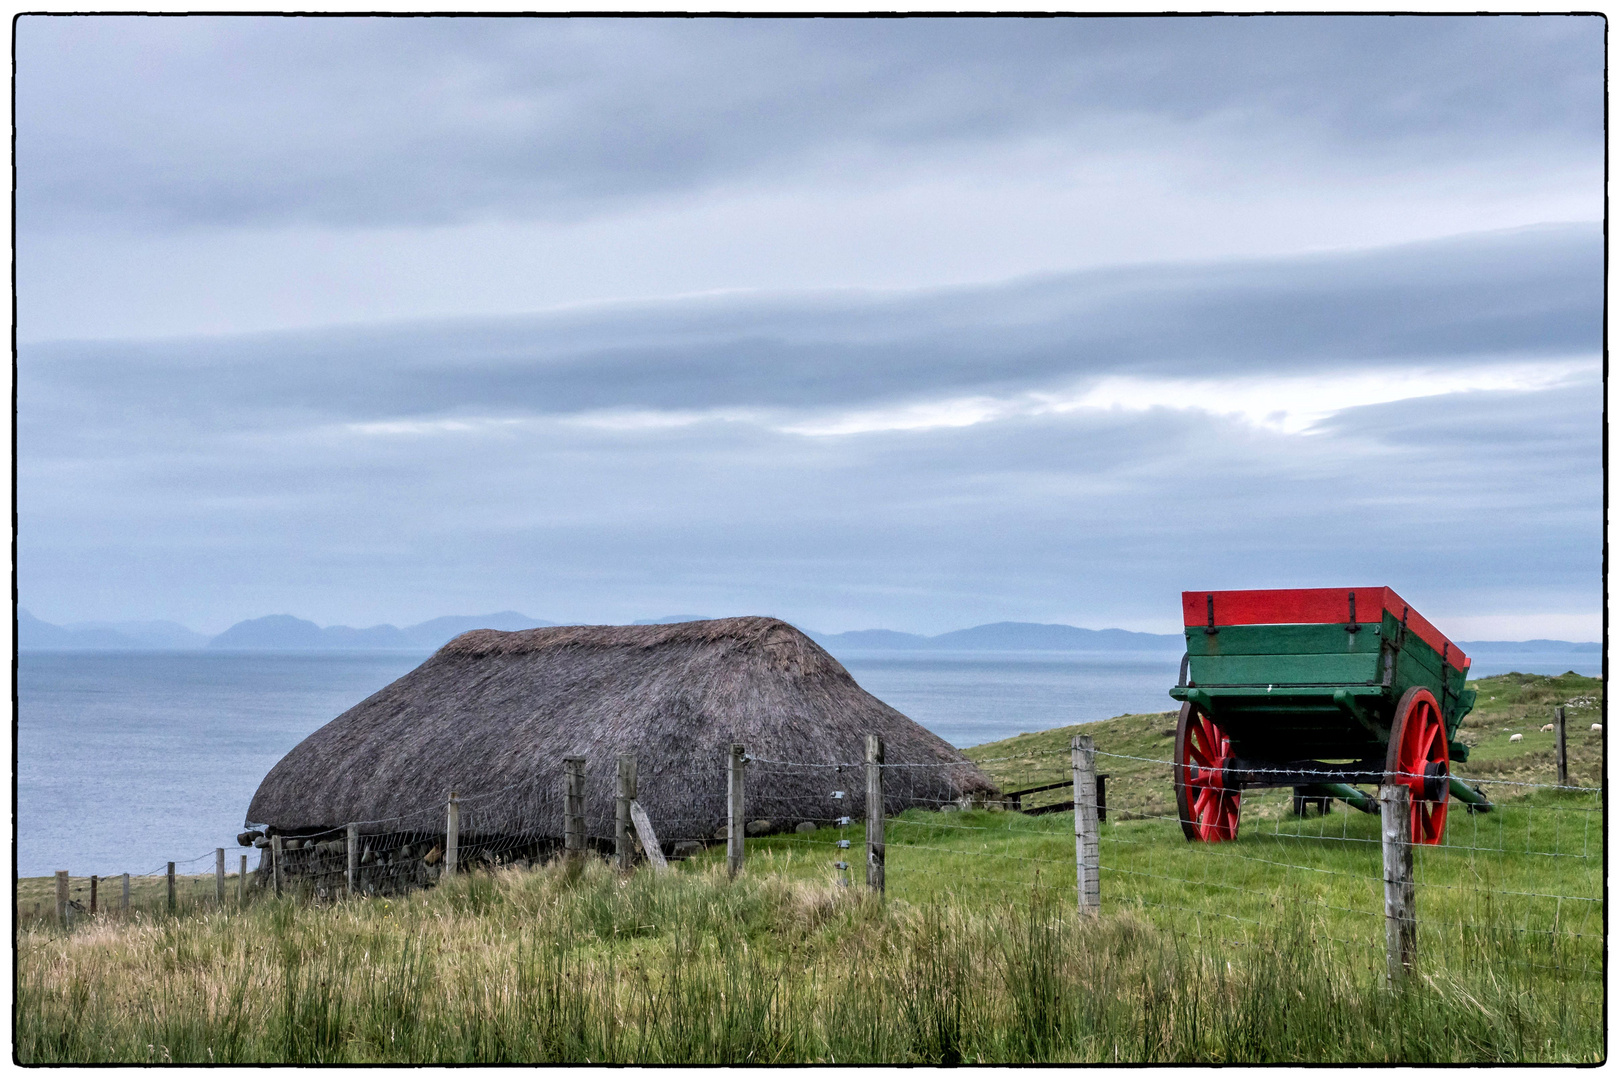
x: 915, y: 324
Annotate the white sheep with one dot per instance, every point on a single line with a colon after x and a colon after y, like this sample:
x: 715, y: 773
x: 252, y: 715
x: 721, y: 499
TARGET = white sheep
x: 1597, y: 727
x: 1546, y: 727
x: 1515, y: 738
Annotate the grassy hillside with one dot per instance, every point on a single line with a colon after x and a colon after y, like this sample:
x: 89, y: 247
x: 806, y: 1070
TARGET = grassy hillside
x: 1521, y: 704
x: 1507, y: 705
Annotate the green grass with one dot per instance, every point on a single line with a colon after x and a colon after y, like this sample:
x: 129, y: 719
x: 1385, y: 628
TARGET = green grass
x: 1533, y: 865
x: 567, y: 965
x: 1269, y: 948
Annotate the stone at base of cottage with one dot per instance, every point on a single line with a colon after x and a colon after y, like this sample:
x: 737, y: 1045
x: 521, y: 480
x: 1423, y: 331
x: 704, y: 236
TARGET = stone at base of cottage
x: 805, y: 827
x: 758, y: 827
x: 685, y: 849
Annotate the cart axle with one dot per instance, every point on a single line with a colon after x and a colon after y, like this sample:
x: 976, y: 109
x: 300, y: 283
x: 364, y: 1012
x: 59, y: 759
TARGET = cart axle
x: 1237, y: 773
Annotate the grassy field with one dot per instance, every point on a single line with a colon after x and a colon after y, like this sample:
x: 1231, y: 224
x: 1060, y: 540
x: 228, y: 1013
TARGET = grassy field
x: 1266, y: 949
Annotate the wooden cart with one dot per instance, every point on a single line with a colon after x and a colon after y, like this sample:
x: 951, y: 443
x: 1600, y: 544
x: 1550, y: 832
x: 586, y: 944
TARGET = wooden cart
x: 1318, y: 690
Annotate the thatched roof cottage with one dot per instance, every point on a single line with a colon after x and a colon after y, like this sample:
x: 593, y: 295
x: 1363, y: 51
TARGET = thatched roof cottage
x: 493, y: 714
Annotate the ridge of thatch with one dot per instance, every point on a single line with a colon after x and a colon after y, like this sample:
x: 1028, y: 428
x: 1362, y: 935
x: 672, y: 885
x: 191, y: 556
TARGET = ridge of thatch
x: 787, y: 648
x: 492, y: 714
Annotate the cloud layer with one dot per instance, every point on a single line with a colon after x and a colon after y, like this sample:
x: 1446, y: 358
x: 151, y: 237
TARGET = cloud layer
x: 212, y: 175
x: 430, y: 121
x: 1076, y: 444
x: 917, y: 323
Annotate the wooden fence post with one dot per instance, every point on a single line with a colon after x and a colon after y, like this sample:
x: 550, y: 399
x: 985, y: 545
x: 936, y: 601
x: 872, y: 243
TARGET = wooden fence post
x: 123, y: 902
x: 621, y: 815
x: 93, y: 882
x: 275, y: 863
x: 352, y: 877
x: 1400, y: 916
x: 1561, y: 748
x: 241, y: 884
x: 219, y: 875
x: 171, y: 888
x: 62, y: 898
x: 1087, y: 860
x: 452, y: 835
x: 649, y: 838
x: 874, y: 813
x: 736, y: 825
x: 574, y: 807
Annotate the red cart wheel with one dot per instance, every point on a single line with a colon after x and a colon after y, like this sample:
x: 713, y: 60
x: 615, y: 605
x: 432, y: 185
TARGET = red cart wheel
x: 1419, y: 756
x: 1209, y: 810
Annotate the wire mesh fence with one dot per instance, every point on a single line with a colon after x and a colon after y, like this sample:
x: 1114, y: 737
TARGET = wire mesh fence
x: 813, y: 819
x: 1520, y: 879
x: 197, y: 885
x: 808, y: 811
x: 1523, y: 877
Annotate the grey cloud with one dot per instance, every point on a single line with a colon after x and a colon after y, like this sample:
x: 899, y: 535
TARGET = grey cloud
x: 1531, y: 293
x: 1033, y: 518
x: 209, y: 121
x: 1495, y: 423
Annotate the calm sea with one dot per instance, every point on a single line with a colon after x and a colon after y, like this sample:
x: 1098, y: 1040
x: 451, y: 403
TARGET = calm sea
x: 128, y: 760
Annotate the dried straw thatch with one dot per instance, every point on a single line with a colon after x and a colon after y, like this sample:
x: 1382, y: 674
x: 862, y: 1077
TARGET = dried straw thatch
x: 493, y: 710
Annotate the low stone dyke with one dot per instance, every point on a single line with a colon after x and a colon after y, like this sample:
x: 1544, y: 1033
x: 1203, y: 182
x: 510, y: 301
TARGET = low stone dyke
x: 394, y: 864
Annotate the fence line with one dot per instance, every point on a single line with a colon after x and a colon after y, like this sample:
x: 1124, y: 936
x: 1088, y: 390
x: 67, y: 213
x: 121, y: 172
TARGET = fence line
x: 1541, y: 896
x: 1462, y: 883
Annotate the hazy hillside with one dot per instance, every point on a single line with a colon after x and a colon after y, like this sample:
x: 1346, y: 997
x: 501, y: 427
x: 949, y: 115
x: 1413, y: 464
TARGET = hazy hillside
x: 152, y: 634
x: 1008, y: 635
x: 1534, y: 645
x: 35, y: 633
x: 435, y: 632
x: 287, y: 632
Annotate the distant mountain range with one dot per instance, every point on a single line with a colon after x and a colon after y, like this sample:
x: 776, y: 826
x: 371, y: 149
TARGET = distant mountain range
x: 286, y: 633
x: 1534, y: 645
x: 1059, y: 637
x: 35, y: 633
x: 273, y: 632
x: 1008, y: 635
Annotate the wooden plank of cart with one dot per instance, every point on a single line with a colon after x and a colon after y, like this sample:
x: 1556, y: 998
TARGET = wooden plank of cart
x: 1319, y: 690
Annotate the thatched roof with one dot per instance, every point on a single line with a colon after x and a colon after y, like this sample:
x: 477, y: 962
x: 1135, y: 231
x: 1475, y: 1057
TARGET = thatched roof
x: 494, y: 710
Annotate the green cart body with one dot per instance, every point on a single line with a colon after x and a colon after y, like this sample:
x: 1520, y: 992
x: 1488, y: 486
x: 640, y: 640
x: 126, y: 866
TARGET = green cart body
x: 1318, y: 690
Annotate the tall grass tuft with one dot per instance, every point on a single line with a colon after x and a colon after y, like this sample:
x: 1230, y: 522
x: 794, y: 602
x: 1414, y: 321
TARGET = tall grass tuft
x: 938, y: 981
x: 1035, y: 953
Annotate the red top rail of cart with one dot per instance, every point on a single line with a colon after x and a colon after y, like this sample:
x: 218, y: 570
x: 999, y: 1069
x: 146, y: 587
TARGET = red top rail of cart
x: 1266, y: 607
